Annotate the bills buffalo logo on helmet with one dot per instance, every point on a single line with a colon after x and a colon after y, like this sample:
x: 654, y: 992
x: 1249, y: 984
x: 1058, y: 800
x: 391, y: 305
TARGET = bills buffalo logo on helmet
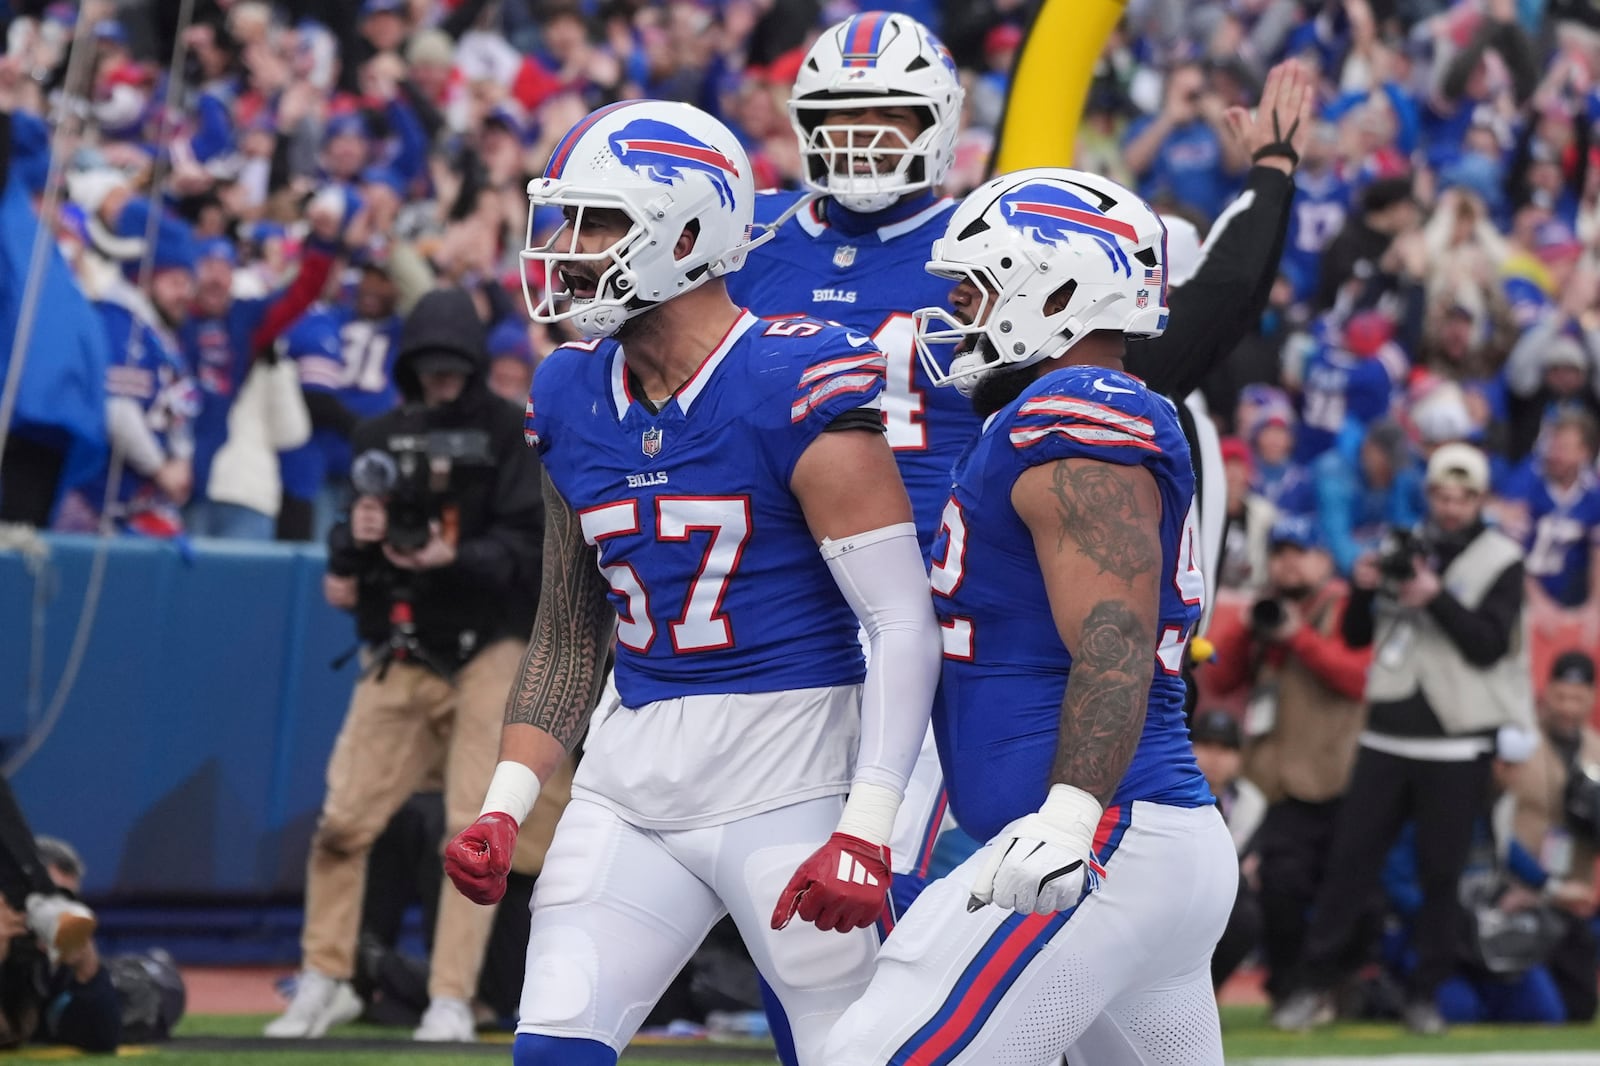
x: 1050, y: 214
x: 663, y: 153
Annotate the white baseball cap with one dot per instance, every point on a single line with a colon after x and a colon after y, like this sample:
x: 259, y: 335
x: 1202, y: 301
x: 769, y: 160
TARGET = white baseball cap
x: 1459, y: 464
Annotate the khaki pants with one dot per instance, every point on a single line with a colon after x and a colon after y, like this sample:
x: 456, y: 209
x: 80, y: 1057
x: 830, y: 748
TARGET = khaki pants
x: 396, y: 733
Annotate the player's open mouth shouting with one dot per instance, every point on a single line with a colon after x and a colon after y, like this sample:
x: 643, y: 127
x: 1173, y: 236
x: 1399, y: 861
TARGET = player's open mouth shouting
x: 581, y: 283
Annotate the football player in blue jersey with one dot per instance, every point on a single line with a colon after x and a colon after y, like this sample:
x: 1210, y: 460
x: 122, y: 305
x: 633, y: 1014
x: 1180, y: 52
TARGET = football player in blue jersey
x: 1066, y: 583
x: 696, y: 459
x: 876, y: 107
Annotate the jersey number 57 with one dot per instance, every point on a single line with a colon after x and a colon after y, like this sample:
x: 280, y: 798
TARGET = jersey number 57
x: 702, y: 625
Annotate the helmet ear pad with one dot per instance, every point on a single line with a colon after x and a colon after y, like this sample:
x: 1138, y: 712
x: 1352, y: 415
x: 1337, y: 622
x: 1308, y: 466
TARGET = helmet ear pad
x: 1059, y: 300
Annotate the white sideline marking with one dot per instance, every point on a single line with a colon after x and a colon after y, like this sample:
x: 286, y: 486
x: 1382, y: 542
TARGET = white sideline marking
x: 1485, y: 1058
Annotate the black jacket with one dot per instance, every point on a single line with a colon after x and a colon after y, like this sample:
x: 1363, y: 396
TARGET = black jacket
x: 492, y: 589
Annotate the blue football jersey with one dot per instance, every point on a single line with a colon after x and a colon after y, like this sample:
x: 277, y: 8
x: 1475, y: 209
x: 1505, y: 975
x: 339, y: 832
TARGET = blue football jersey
x: 1341, y: 388
x: 1321, y: 205
x: 717, y: 582
x: 151, y: 372
x: 1563, y: 528
x: 871, y: 282
x: 997, y: 713
x: 351, y: 357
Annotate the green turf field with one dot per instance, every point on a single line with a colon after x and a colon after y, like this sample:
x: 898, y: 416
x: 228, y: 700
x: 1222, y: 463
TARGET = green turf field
x: 231, y: 1039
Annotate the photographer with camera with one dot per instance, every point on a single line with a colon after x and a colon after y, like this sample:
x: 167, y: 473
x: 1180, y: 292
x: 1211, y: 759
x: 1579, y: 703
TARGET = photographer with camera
x: 1443, y: 611
x: 439, y: 561
x: 1556, y: 820
x: 1305, y: 713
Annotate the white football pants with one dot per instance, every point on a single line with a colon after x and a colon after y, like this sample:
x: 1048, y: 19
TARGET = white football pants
x: 1123, y: 979
x: 618, y: 910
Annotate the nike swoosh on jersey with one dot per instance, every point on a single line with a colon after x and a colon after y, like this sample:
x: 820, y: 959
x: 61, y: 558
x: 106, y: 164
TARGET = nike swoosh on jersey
x: 1100, y: 383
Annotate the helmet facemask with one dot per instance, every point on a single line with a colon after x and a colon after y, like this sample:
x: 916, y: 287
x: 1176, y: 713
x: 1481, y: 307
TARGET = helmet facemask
x: 866, y: 168
x: 1011, y: 327
x: 614, y: 299
x: 954, y: 352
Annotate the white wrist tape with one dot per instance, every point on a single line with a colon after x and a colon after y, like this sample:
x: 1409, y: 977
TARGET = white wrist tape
x: 1074, y: 811
x: 869, y: 813
x: 512, y: 790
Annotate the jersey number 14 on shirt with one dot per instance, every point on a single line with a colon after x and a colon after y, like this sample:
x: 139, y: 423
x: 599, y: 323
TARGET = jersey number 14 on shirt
x: 702, y: 626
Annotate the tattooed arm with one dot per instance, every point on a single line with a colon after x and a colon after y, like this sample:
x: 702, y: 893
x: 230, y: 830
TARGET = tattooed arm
x: 560, y: 676
x: 549, y: 707
x: 1096, y: 530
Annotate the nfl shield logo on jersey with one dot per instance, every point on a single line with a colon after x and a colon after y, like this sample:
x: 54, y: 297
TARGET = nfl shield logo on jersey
x: 844, y: 255
x: 652, y: 442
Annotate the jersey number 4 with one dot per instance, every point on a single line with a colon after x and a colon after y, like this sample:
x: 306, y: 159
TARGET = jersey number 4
x: 948, y: 570
x: 702, y: 625
x: 903, y: 403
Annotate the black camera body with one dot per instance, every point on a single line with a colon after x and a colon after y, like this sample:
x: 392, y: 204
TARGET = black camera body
x: 1397, y: 560
x: 1266, y: 615
x: 1581, y: 802
x: 412, y: 475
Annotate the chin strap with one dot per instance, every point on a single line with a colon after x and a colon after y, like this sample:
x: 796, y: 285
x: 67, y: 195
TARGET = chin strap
x: 763, y: 233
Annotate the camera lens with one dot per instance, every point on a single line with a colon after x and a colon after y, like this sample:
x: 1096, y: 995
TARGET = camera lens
x: 1267, y: 615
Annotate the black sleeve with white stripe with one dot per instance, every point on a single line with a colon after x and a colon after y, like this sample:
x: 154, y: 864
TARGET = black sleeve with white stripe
x: 1214, y: 310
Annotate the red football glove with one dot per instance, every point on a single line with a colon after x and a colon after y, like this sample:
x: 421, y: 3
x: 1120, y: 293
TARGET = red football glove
x: 843, y: 886
x: 479, y: 857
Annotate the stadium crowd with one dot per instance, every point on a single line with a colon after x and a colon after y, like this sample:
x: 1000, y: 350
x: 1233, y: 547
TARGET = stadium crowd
x: 239, y: 235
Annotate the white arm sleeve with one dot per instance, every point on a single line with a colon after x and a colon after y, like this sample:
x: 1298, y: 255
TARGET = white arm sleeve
x: 883, y: 579
x: 129, y: 431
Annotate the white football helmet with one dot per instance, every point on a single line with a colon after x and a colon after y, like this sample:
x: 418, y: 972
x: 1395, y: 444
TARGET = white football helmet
x: 667, y: 166
x: 1020, y: 239
x: 876, y: 59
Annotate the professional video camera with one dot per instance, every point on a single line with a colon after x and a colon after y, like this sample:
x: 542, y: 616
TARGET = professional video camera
x: 412, y: 477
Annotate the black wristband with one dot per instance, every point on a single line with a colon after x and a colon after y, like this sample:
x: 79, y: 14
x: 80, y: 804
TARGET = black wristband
x: 1277, y: 150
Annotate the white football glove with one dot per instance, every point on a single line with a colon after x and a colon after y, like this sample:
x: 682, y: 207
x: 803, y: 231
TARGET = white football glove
x: 1039, y: 862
